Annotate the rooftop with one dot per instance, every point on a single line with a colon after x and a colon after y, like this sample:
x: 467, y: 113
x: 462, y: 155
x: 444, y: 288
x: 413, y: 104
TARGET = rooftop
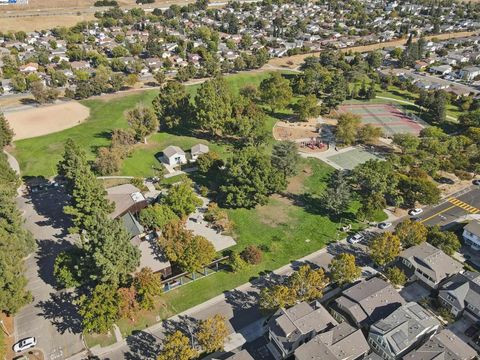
x: 173, y: 150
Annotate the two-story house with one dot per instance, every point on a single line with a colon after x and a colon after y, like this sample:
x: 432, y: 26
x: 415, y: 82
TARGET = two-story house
x: 290, y: 328
x: 366, y: 302
x: 426, y: 263
x: 471, y: 234
x: 461, y: 295
x: 403, y: 330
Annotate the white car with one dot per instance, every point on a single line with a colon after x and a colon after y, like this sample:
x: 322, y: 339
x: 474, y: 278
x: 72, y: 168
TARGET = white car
x: 356, y: 238
x: 25, y: 344
x: 384, y: 225
x: 415, y: 212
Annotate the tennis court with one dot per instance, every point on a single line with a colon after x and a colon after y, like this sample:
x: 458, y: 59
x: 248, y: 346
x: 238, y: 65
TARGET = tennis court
x: 349, y: 159
x: 391, y: 118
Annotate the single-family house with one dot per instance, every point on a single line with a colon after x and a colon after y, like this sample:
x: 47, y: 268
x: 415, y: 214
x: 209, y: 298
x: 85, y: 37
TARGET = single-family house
x: 469, y: 73
x: 126, y: 198
x: 441, y: 69
x: 446, y: 346
x: 29, y: 68
x: 198, y: 150
x: 403, y: 330
x: 173, y: 155
x: 290, y: 328
x: 343, y: 342
x: 366, y: 302
x: 461, y: 295
x: 426, y: 263
x: 471, y: 234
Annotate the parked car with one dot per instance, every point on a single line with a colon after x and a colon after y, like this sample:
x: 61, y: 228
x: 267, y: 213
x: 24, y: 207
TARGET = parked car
x: 384, y: 225
x: 25, y: 344
x: 356, y: 238
x: 476, y: 182
x: 415, y: 212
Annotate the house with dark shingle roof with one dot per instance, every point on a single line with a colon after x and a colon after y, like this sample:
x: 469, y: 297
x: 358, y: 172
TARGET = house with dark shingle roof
x: 366, y: 302
x: 461, y: 295
x: 471, y: 234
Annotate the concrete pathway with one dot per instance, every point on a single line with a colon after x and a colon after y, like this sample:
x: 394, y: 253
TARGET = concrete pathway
x: 12, y: 162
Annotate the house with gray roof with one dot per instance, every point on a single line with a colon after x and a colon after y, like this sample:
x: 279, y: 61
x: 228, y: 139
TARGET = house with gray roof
x: 343, y: 342
x: 198, y: 150
x: 290, y: 328
x: 426, y: 263
x: 366, y: 302
x: 403, y: 330
x: 471, y: 234
x: 461, y: 295
x: 443, y: 346
x: 173, y: 155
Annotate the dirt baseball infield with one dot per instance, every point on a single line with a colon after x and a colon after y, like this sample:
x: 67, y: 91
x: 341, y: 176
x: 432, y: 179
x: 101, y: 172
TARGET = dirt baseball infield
x: 46, y: 120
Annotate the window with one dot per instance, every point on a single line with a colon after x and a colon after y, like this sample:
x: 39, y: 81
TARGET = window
x: 450, y: 297
x: 471, y: 307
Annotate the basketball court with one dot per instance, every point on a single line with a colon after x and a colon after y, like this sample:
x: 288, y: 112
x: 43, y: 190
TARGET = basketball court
x: 392, y: 119
x: 349, y: 159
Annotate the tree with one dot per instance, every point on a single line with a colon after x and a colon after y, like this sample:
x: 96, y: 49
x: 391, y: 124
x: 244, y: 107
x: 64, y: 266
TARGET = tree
x: 275, y: 91
x: 147, y: 285
x: 213, y: 106
x: 64, y: 268
x: 108, y: 161
x: 74, y: 159
x: 408, y: 143
x: 347, y: 128
x: 127, y: 303
x: 160, y: 78
x: 337, y: 196
x: 43, y: 94
x: 438, y: 106
x: 156, y: 216
x: 218, y: 217
x: 189, y: 252
x: 307, y: 107
x: 446, y: 241
x: 99, y: 310
x: 252, y: 255
x: 369, y: 133
x: 343, y: 269
x: 172, y: 105
x: 143, y: 121
x: 209, y: 162
x: 396, y: 276
x: 236, y: 262
x: 181, y: 198
x: 248, y: 178
x: 308, y: 283
x: 419, y: 189
x: 285, y: 158
x: 6, y: 132
x: 177, y: 346
x: 385, y: 248
x: 411, y: 233
x: 276, y: 297
x: 212, y: 333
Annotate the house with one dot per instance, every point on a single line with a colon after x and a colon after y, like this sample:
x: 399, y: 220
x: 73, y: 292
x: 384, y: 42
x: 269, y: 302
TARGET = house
x: 401, y: 331
x: 290, y: 328
x: 126, y: 198
x: 471, y: 234
x: 79, y: 65
x: 469, y: 73
x: 426, y: 263
x: 173, y: 155
x: 461, y: 295
x: 29, y: 68
x: 343, y: 342
x: 242, y: 355
x: 366, y: 302
x: 441, y: 69
x: 198, y: 150
x: 444, y: 345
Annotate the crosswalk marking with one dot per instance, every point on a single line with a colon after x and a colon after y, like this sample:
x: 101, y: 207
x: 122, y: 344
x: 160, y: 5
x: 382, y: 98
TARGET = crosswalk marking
x: 463, y: 205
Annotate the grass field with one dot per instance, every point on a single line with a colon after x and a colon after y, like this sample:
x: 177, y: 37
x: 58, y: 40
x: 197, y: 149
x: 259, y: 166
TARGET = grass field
x: 39, y: 156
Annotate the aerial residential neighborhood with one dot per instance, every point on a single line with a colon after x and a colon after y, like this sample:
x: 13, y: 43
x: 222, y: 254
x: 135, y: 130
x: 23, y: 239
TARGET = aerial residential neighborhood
x: 240, y: 180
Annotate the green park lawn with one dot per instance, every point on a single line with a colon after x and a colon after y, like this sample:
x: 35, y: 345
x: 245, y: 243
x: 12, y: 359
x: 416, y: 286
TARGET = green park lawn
x: 39, y: 156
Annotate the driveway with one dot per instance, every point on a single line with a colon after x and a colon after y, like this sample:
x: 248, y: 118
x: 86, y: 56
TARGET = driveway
x: 51, y: 317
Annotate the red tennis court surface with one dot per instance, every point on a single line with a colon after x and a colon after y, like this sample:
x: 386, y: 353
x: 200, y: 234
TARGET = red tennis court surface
x: 389, y: 117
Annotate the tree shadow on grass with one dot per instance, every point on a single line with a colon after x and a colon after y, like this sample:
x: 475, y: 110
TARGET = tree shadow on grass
x: 61, y: 312
x: 142, y: 345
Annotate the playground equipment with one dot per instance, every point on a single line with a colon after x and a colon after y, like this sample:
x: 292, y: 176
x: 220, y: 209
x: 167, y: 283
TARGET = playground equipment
x: 312, y: 143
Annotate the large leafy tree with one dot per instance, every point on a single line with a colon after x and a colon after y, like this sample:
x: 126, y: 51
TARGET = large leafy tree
x: 374, y: 176
x: 247, y: 123
x: 177, y: 346
x: 308, y: 283
x: 181, y: 198
x: 212, y: 333
x: 343, y: 269
x: 347, y: 128
x: 446, y: 241
x: 248, y: 179
x: 148, y: 285
x: 143, y: 121
x: 213, y: 106
x: 172, y: 105
x: 275, y: 91
x: 127, y: 303
x: 419, y: 189
x: 74, y: 161
x: 411, y: 233
x: 385, y: 248
x: 337, y: 196
x: 307, y: 107
x: 99, y: 310
x: 157, y: 216
x: 276, y: 297
x: 285, y: 158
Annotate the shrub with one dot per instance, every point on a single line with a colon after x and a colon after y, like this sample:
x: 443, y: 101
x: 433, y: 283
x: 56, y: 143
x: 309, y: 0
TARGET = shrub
x: 252, y: 255
x: 236, y: 262
x: 396, y: 276
x: 138, y: 182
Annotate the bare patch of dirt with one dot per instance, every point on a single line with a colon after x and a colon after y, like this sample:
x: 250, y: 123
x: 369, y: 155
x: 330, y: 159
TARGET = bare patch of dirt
x: 276, y: 212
